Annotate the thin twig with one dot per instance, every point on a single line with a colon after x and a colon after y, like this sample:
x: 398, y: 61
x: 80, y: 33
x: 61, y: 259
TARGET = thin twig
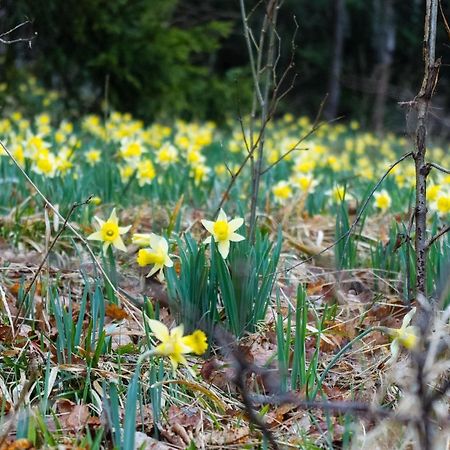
x: 241, y: 369
x: 14, y: 41
x: 44, y: 259
x: 438, y: 167
x: 360, y: 408
x: 250, y: 50
x: 441, y: 233
x: 422, y: 169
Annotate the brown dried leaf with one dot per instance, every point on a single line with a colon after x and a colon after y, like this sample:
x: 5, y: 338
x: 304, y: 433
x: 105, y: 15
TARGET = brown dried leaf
x: 73, y: 417
x: 144, y: 442
x: 115, y: 312
x: 187, y: 416
x: 19, y: 444
x: 229, y: 436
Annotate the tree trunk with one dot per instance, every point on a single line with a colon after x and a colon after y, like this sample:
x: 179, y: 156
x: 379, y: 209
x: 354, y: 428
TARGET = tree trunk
x: 385, y: 46
x: 334, y: 85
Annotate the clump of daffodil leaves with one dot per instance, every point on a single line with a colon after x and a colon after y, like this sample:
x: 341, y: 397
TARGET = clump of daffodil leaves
x: 173, y: 344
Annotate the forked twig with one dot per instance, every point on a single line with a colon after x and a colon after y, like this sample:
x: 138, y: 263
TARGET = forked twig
x: 14, y: 41
x: 441, y: 233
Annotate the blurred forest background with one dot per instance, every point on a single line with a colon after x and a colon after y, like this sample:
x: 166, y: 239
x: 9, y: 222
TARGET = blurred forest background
x: 184, y: 58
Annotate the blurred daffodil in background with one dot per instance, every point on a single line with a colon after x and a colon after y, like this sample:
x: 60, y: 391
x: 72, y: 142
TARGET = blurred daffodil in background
x: 382, y: 200
x: 282, y: 191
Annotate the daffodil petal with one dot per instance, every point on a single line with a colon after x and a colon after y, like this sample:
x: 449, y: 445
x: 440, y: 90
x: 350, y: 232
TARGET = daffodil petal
x: 154, y: 240
x: 222, y: 216
x: 99, y: 221
x: 234, y: 237
x: 174, y: 363
x: 168, y: 262
x: 118, y: 243
x: 395, y: 348
x: 208, y: 225
x: 207, y: 240
x: 224, y: 248
x: 177, y: 331
x: 408, y: 317
x: 160, y: 276
x: 154, y: 269
x: 123, y: 230
x: 160, y: 331
x: 97, y: 236
x: 113, y: 217
x: 142, y: 239
x: 163, y: 245
x: 235, y: 223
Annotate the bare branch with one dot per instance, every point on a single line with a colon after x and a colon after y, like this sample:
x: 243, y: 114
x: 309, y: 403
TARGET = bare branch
x: 20, y: 25
x: 14, y: 41
x: 241, y: 369
x: 360, y: 408
x: 447, y: 27
x: 438, y: 167
x: 441, y: 233
x: 250, y: 50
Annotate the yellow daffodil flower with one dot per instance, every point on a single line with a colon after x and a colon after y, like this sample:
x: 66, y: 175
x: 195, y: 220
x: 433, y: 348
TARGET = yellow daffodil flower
x: 306, y: 183
x: 382, y: 200
x: 433, y: 191
x: 126, y: 172
x: 304, y: 166
x: 442, y: 203
x: 145, y: 172
x: 110, y: 232
x: 338, y: 193
x: 131, y: 150
x: 174, y: 345
x: 197, y: 341
x: 166, y: 155
x: 93, y: 157
x: 45, y: 164
x: 200, y: 173
x: 142, y: 239
x: 157, y: 254
x: 406, y: 335
x: 223, y: 232
x: 282, y: 191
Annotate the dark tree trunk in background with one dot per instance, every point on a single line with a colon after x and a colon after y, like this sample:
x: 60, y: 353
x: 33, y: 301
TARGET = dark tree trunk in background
x: 384, y: 40
x: 334, y: 85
